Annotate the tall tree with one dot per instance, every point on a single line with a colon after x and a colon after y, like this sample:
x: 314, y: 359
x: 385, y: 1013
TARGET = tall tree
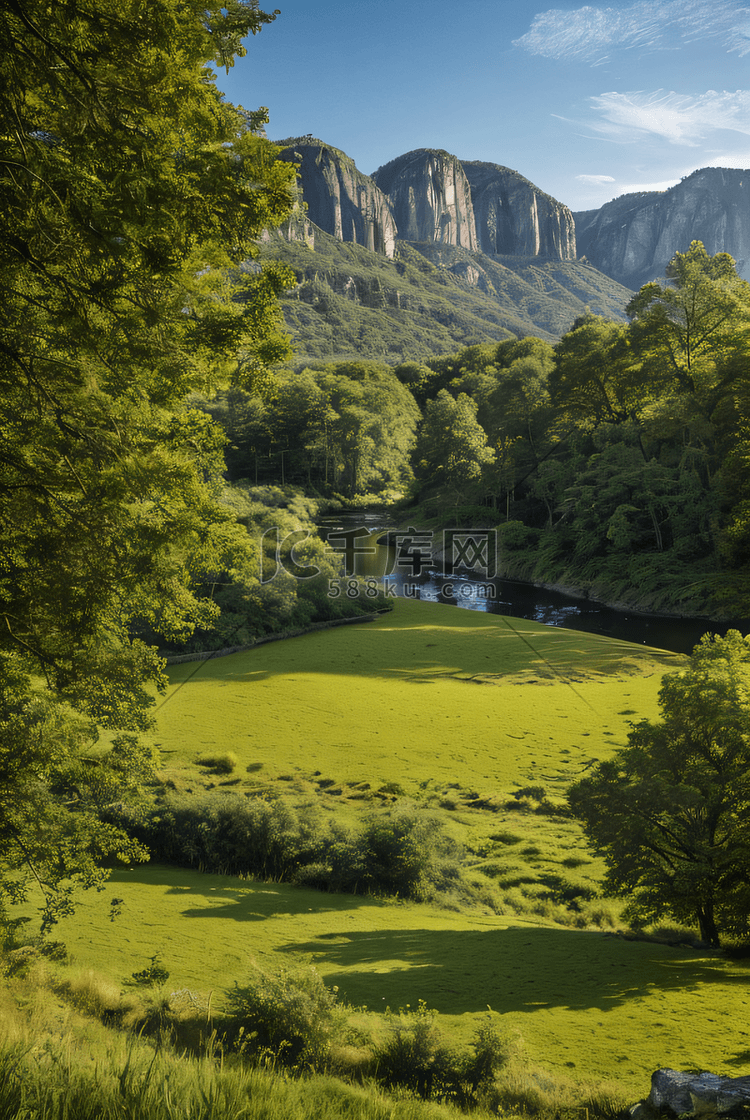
x: 670, y: 812
x: 694, y: 322
x: 130, y: 194
x: 593, y: 381
x: 368, y: 426
x: 452, y: 452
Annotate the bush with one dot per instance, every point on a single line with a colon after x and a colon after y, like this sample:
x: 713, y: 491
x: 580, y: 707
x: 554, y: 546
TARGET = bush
x: 289, y: 1018
x: 414, y: 1057
x: 153, y: 974
x: 219, y: 763
x: 402, y: 852
x: 232, y: 835
x: 516, y: 535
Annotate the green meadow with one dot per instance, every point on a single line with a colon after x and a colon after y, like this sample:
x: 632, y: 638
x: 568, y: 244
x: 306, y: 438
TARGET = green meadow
x: 427, y: 697
x: 463, y: 714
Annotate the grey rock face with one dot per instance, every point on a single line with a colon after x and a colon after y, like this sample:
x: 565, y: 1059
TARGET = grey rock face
x: 297, y: 227
x: 633, y: 238
x: 340, y: 199
x: 693, y: 1094
x: 513, y: 217
x: 430, y: 196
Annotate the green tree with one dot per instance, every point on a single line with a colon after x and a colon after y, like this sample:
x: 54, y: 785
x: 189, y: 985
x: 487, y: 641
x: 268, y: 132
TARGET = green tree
x: 593, y: 381
x: 452, y: 451
x: 130, y: 196
x: 697, y: 320
x: 670, y: 812
x: 367, y: 427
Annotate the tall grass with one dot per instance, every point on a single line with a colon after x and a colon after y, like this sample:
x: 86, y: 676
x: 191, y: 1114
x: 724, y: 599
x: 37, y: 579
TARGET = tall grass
x: 298, y: 1055
x: 56, y: 1082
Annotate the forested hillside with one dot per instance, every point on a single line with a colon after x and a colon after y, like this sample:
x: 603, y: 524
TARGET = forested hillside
x: 430, y: 299
x: 614, y: 462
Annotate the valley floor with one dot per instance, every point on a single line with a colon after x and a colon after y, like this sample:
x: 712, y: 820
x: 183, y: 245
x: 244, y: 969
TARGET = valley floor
x: 454, y: 713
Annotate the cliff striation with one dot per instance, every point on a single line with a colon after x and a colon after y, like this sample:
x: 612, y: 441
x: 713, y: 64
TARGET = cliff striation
x: 430, y: 196
x: 340, y: 199
x: 514, y: 217
x: 425, y: 196
x: 633, y: 238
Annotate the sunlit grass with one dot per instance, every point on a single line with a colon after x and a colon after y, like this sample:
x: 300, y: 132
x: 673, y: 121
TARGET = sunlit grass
x: 485, y: 721
x: 427, y: 696
x: 584, y: 1004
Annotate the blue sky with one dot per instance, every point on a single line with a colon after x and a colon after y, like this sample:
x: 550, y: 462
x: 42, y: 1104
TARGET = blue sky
x: 589, y: 102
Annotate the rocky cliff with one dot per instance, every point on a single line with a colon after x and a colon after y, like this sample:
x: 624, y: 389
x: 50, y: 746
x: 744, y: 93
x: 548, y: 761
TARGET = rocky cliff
x: 430, y: 196
x: 514, y: 217
x: 425, y: 196
x: 340, y: 199
x: 633, y: 237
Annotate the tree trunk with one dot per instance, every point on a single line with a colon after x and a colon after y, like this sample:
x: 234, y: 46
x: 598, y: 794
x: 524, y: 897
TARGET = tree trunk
x: 707, y: 924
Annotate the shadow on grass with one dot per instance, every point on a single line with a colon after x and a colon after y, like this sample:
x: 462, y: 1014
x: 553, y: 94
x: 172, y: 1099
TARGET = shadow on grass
x: 236, y: 899
x: 485, y: 649
x: 740, y: 1059
x: 513, y: 969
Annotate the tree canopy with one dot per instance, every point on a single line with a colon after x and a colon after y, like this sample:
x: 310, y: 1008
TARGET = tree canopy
x: 670, y: 812
x: 131, y: 196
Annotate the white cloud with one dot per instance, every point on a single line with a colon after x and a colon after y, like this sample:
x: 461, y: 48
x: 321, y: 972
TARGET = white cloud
x: 678, y: 118
x: 737, y: 160
x: 597, y: 180
x: 589, y: 34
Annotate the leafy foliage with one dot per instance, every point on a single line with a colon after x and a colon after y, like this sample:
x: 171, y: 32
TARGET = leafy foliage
x: 348, y: 428
x: 415, y: 1056
x: 290, y: 1018
x: 402, y: 852
x: 671, y: 811
x: 452, y: 449
x: 622, y: 452
x: 130, y: 194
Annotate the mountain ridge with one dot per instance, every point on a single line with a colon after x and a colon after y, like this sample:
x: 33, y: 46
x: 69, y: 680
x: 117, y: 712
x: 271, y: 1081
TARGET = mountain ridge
x: 632, y: 238
x: 489, y: 241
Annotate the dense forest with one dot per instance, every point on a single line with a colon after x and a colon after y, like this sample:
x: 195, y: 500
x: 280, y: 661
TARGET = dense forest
x: 614, y: 462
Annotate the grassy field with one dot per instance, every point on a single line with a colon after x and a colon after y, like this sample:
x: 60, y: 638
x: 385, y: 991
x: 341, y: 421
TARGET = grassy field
x: 456, y: 711
x: 426, y: 698
x: 586, y: 1005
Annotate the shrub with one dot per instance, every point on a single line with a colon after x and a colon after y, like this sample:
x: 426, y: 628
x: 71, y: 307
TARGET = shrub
x: 413, y: 1054
x: 289, y: 1018
x: 232, y: 835
x: 219, y: 763
x: 402, y: 852
x: 414, y: 1057
x: 153, y: 974
x: 516, y: 535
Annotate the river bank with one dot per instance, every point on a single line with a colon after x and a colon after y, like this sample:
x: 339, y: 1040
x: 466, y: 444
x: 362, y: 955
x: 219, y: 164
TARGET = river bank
x: 407, y: 560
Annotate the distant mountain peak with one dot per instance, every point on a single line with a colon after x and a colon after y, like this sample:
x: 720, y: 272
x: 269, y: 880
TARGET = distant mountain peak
x: 633, y: 237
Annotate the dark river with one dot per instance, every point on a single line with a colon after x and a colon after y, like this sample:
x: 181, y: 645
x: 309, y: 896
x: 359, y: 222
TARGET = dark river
x: 411, y: 571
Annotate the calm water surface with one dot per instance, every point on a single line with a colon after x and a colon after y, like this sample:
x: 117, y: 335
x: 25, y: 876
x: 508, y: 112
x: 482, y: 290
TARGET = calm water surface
x: 508, y: 597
